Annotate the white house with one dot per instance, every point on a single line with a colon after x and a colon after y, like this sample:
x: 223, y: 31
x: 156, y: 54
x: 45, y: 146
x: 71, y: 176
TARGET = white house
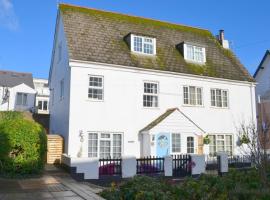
x: 124, y: 85
x: 262, y: 76
x: 43, y: 95
x: 16, y: 91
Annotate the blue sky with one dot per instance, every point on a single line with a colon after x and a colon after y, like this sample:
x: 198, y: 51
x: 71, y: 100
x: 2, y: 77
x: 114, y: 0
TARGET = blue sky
x: 27, y: 27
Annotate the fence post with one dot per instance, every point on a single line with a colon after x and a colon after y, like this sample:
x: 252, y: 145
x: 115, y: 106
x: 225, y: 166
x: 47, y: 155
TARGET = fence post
x: 129, y: 166
x: 168, y: 166
x: 223, y: 166
x: 197, y: 164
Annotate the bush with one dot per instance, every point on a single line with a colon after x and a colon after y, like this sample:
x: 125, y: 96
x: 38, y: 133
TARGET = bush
x: 235, y: 185
x: 10, y: 115
x: 22, y: 146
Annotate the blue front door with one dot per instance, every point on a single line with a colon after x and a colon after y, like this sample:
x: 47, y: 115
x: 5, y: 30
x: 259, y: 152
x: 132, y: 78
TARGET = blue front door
x: 163, y: 144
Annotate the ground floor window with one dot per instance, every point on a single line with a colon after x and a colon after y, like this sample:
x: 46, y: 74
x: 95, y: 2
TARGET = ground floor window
x: 220, y: 143
x: 43, y: 105
x: 190, y: 144
x: 21, y: 99
x: 105, y: 145
x: 176, y: 143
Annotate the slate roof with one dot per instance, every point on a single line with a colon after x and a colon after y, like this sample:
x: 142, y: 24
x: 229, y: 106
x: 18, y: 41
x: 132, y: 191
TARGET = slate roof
x: 98, y: 36
x: 267, y: 53
x: 11, y: 79
x: 164, y: 116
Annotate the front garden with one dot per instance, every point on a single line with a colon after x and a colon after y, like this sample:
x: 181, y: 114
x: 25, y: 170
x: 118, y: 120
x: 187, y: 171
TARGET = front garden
x: 234, y: 185
x: 22, y: 145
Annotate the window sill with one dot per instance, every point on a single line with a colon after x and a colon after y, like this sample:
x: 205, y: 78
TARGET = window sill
x: 195, y: 106
x: 223, y: 108
x: 94, y: 100
x: 143, y: 54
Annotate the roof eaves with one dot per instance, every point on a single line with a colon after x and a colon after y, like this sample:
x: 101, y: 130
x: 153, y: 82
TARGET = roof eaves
x: 261, y: 63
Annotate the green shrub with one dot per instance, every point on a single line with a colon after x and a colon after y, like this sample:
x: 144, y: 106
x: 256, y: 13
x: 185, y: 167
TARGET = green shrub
x: 10, y: 115
x: 235, y: 185
x: 22, y: 147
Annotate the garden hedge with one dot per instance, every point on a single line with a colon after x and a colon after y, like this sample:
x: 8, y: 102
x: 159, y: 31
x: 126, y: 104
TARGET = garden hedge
x: 22, y: 146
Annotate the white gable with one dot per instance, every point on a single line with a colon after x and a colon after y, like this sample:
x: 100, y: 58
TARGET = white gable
x: 177, y: 122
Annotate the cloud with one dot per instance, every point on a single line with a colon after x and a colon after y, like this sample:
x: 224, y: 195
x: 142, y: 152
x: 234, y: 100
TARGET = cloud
x: 8, y: 18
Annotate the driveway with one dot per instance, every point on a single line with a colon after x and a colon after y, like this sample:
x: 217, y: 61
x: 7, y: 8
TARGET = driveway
x: 54, y: 184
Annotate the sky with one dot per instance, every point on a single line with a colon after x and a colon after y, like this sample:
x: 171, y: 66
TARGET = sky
x: 27, y: 27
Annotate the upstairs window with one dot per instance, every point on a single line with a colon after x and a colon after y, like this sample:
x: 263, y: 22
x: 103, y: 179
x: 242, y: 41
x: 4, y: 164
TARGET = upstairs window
x: 194, y: 53
x: 150, y: 96
x: 192, y: 95
x: 95, y: 88
x: 144, y: 45
x: 21, y: 99
x: 219, y: 98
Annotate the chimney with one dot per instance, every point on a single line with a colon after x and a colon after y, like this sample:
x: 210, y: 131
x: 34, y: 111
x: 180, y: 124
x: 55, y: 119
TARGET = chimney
x: 221, y: 38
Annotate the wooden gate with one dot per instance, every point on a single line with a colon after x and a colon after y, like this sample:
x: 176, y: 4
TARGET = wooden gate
x: 54, y: 149
x: 181, y: 165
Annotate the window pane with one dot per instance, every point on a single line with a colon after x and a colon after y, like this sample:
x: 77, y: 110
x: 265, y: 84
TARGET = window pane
x: 186, y: 99
x: 190, y: 144
x: 213, y: 98
x: 117, y: 138
x: 198, y: 54
x: 105, y: 149
x: 176, y: 143
x: 150, y: 100
x: 45, y: 105
x: 19, y: 98
x: 224, y: 99
x: 192, y: 95
x: 40, y: 105
x: 92, y: 144
x: 199, y: 96
x: 190, y: 52
x: 138, y: 44
x: 218, y: 98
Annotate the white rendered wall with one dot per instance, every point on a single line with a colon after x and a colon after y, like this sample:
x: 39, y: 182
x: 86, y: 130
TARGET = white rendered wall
x: 11, y: 104
x: 59, y: 107
x: 263, y: 78
x: 122, y: 108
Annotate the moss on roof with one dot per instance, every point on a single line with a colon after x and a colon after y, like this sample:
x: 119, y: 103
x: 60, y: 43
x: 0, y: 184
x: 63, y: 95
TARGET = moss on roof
x: 95, y: 35
x: 133, y: 19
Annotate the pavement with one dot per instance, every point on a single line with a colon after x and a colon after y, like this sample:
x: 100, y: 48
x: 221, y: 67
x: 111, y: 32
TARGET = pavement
x: 53, y: 184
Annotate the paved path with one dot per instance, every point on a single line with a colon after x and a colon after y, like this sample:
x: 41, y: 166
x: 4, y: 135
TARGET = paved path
x: 54, y: 184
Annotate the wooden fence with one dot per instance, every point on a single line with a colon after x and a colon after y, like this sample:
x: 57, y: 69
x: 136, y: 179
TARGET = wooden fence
x: 54, y: 149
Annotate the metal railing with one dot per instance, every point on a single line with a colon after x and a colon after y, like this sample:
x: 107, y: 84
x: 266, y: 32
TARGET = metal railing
x: 150, y: 165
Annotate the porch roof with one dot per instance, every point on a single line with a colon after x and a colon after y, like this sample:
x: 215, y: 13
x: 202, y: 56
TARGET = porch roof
x: 164, y: 116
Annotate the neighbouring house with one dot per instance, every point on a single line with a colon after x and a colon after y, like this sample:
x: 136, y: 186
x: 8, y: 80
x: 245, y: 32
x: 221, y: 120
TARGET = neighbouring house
x: 262, y: 77
x: 16, y: 91
x: 42, y: 97
x: 125, y: 85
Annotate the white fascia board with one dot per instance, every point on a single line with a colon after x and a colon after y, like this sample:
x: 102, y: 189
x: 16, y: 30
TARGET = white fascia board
x: 105, y: 66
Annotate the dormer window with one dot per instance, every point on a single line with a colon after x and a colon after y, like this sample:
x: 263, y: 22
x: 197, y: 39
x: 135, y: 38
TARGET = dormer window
x: 143, y: 44
x: 194, y: 53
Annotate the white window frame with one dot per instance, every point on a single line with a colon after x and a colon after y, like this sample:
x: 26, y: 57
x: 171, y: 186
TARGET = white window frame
x: 193, y: 144
x: 171, y: 149
x: 189, y: 96
x: 222, y: 98
x: 226, y: 146
x: 24, y: 99
x: 151, y: 94
x: 42, y: 105
x: 95, y: 87
x: 194, y: 49
x: 99, y: 139
x: 132, y: 38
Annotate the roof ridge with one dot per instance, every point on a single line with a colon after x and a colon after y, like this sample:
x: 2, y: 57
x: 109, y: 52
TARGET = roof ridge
x: 11, y: 71
x: 128, y: 15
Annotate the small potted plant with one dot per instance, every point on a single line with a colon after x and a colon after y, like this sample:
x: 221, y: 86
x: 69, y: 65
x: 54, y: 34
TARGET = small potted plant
x: 206, y: 140
x: 244, y: 139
